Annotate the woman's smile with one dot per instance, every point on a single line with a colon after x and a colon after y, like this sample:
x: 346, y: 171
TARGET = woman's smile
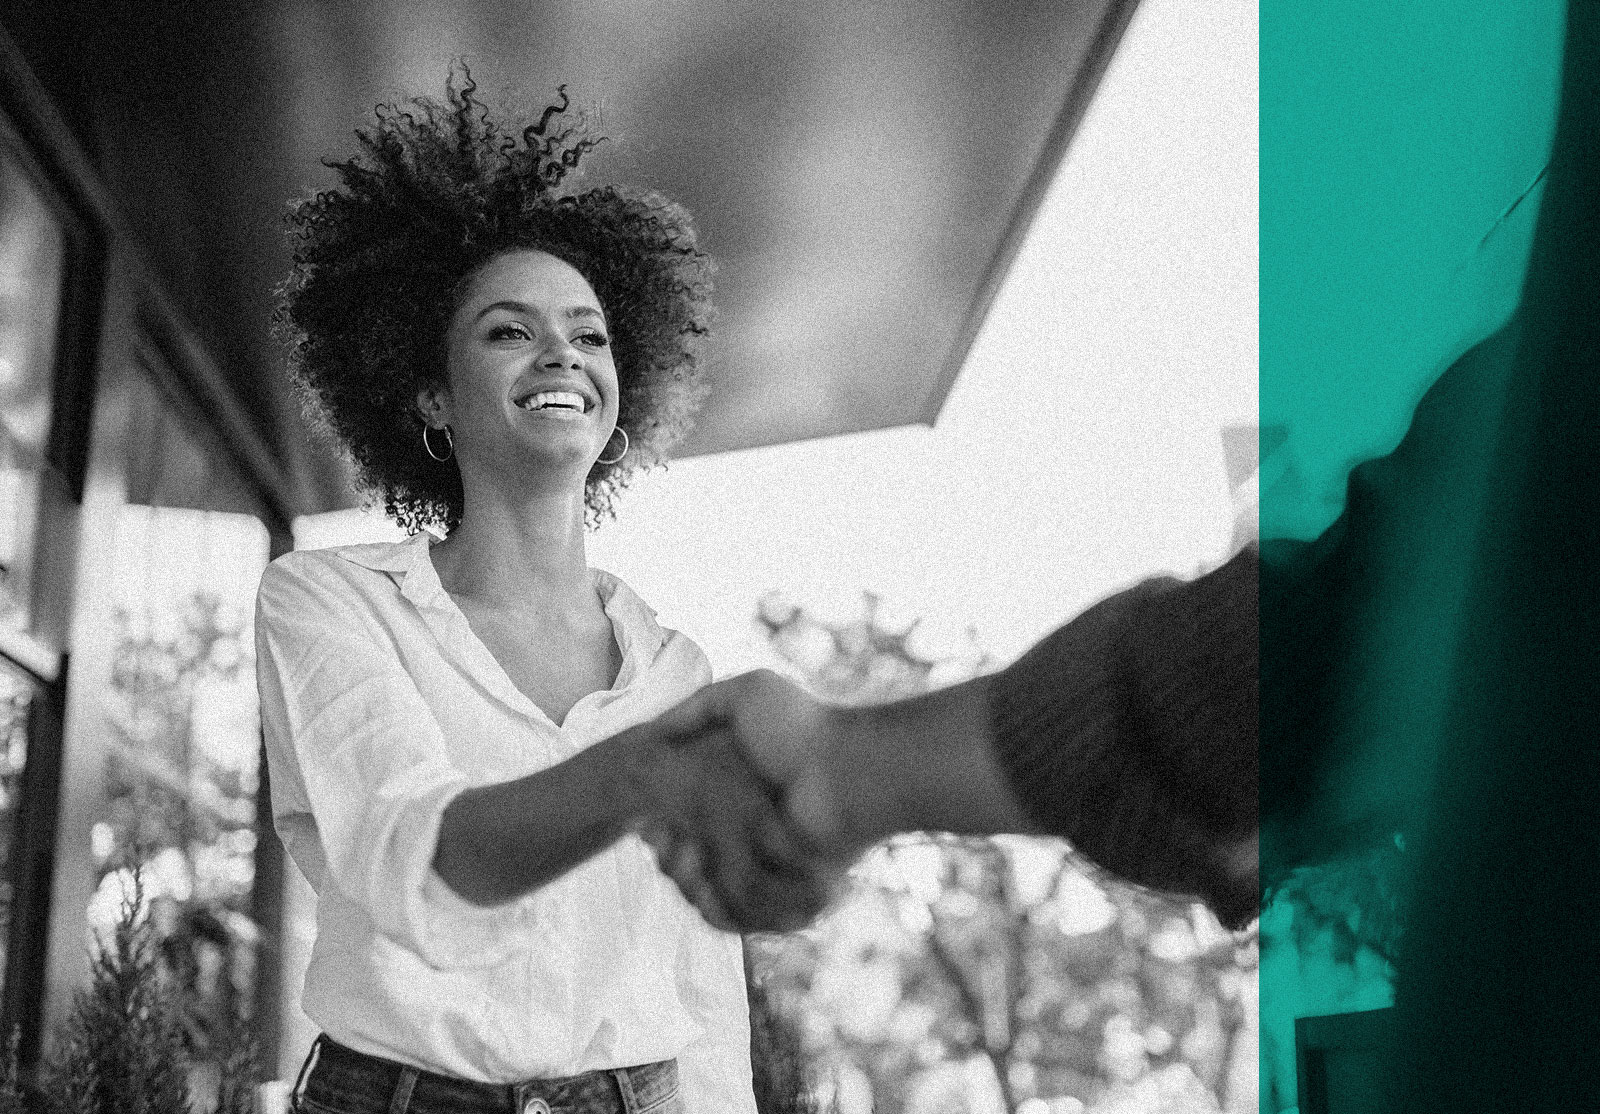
x: 556, y: 403
x: 531, y: 374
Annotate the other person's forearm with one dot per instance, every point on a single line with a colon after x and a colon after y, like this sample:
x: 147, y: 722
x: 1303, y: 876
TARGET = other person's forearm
x: 921, y: 764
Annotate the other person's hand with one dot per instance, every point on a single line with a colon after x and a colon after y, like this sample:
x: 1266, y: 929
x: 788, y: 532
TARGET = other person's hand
x: 749, y: 820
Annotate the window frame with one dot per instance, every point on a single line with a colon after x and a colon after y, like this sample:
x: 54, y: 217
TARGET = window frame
x: 42, y: 652
x: 109, y: 294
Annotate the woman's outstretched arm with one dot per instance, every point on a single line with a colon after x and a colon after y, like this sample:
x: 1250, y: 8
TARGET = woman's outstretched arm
x: 497, y: 842
x: 370, y: 802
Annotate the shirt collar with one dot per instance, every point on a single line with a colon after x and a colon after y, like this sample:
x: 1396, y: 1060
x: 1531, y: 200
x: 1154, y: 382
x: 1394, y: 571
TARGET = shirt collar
x: 408, y: 564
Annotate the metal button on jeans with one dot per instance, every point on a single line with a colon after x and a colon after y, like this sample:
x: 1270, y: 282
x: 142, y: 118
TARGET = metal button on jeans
x: 536, y: 1106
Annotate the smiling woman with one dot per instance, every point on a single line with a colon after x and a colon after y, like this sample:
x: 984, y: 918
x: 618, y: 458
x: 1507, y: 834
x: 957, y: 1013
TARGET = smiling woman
x: 498, y: 357
x: 381, y: 265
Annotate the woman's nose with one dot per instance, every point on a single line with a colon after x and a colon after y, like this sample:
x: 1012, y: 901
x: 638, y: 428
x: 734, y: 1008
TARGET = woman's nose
x: 561, y: 356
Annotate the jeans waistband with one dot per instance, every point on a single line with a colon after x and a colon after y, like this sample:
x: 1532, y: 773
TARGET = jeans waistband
x: 340, y: 1079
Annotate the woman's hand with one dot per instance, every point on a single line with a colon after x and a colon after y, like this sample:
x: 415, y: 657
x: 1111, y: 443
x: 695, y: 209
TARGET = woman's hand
x: 768, y: 859
x: 721, y: 821
x: 741, y: 816
x: 834, y: 781
x: 721, y: 833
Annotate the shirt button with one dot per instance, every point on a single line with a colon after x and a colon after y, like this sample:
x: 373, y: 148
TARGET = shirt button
x: 536, y: 1106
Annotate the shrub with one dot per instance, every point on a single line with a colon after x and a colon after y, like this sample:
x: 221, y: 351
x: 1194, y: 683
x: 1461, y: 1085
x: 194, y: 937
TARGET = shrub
x: 125, y: 1048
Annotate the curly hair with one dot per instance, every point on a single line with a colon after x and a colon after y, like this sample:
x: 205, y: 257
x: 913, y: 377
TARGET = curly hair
x: 382, y: 260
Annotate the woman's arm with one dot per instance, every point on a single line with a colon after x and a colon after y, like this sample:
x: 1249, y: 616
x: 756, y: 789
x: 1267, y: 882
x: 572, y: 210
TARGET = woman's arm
x: 369, y: 803
x: 498, y: 842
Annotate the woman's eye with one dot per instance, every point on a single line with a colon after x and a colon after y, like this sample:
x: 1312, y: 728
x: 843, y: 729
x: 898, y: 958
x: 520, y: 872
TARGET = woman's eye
x: 594, y: 340
x: 509, y: 331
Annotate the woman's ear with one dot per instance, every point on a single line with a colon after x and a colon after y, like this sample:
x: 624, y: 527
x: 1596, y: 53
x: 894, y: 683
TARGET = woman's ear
x: 431, y: 406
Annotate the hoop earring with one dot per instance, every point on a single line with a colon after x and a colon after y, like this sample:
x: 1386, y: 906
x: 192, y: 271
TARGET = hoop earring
x: 626, y: 445
x: 449, y: 441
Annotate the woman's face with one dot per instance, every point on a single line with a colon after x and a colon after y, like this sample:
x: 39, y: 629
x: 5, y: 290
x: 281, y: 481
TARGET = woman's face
x: 530, y: 375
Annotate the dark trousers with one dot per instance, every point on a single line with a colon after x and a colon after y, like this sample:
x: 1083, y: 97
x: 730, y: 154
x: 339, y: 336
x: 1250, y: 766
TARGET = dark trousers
x: 340, y: 1080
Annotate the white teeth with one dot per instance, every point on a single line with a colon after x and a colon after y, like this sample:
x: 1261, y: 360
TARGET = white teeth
x: 565, y: 400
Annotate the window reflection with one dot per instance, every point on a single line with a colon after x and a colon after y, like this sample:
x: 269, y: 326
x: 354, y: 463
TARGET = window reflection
x: 181, y: 701
x: 170, y: 463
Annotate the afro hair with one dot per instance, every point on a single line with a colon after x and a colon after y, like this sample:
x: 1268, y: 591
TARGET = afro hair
x: 381, y: 260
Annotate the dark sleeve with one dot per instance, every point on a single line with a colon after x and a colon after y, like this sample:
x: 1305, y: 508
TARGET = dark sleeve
x: 1132, y: 732
x: 1176, y: 717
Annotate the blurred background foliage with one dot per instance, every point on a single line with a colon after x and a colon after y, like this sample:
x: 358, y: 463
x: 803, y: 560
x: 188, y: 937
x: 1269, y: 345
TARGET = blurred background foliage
x: 993, y: 975
x: 127, y: 1045
x: 181, y: 781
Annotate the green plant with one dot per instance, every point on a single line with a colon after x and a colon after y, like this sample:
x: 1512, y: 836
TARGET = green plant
x: 122, y: 1048
x: 128, y: 1045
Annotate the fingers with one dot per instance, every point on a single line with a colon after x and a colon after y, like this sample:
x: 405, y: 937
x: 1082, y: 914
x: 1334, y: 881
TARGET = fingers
x: 743, y: 903
x: 686, y: 869
x: 729, y: 824
x: 731, y: 852
x: 774, y: 845
x: 760, y: 880
x: 726, y: 835
x: 682, y: 857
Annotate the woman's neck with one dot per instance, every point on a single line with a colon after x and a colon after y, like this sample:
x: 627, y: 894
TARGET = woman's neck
x: 510, y: 552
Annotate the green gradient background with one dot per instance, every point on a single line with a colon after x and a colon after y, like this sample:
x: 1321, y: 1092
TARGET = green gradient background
x: 1396, y: 141
x: 1393, y: 137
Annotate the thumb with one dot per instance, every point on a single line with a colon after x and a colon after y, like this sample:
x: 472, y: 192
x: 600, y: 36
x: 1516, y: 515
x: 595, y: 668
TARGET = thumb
x: 698, y: 715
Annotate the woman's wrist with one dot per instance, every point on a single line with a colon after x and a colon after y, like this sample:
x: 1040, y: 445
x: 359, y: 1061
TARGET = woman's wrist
x: 641, y: 762
x: 497, y: 842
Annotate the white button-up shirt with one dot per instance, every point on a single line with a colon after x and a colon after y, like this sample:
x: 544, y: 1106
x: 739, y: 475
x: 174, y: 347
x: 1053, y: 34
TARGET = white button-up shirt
x: 379, y: 704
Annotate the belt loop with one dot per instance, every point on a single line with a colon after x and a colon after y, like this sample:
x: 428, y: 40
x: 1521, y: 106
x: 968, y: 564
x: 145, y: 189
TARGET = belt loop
x: 402, y: 1091
x: 630, y: 1101
x: 305, y: 1071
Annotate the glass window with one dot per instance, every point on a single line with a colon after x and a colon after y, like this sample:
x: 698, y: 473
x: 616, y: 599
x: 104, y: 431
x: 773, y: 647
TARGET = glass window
x: 171, y: 461
x: 32, y: 263
x: 176, y: 713
x: 17, y: 692
x: 183, y: 733
x: 35, y: 557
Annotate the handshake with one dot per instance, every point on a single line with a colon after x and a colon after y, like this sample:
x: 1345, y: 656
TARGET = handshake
x: 757, y: 797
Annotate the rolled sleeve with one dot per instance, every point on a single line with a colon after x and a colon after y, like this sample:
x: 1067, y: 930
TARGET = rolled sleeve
x: 360, y: 773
